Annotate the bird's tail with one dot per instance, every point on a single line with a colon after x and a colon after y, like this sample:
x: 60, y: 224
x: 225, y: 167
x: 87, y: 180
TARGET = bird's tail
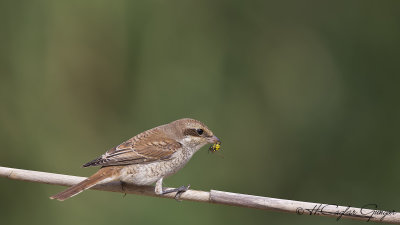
x: 109, y: 173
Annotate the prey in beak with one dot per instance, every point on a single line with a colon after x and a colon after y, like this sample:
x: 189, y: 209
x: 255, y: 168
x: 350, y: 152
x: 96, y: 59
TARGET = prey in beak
x: 216, y: 144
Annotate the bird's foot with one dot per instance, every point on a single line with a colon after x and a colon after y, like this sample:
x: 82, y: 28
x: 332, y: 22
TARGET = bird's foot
x: 123, y: 184
x: 179, y: 191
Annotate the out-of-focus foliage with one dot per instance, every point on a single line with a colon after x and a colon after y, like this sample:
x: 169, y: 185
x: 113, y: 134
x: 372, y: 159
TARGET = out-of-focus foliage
x: 303, y: 94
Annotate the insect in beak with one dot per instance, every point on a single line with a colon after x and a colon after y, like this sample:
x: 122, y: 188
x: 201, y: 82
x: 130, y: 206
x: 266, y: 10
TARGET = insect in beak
x: 215, y: 147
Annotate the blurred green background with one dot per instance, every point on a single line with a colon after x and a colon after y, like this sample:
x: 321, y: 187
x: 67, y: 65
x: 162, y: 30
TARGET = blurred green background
x: 303, y: 94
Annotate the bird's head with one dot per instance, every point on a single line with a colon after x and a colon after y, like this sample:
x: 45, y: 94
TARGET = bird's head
x: 193, y: 133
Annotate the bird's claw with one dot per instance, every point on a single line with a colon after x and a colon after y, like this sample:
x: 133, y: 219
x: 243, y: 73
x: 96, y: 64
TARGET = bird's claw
x: 123, y: 188
x: 179, y: 191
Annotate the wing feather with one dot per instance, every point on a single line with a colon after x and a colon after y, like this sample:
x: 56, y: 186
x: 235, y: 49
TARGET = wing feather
x: 148, y: 146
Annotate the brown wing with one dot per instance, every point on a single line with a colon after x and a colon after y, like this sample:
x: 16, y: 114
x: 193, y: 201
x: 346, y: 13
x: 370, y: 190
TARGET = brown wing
x: 142, y: 148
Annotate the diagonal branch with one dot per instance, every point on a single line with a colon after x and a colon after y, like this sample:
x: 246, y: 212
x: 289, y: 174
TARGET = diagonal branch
x: 218, y: 197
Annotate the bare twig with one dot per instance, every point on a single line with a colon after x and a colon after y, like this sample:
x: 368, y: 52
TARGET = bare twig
x: 218, y: 197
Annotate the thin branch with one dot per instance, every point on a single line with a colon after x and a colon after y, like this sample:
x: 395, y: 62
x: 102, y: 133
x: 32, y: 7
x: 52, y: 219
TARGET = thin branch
x: 218, y: 197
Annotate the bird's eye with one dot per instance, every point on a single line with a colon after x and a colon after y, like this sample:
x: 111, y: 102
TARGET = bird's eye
x: 200, y: 131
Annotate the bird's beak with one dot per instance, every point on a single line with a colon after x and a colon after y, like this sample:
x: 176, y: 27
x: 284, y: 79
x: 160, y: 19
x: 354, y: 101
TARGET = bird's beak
x: 213, y: 140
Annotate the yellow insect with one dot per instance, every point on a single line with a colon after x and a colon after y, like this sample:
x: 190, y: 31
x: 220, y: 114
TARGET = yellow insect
x: 215, y: 147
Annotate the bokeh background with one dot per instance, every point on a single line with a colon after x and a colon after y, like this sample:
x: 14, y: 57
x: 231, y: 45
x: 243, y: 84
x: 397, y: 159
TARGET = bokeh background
x: 303, y: 94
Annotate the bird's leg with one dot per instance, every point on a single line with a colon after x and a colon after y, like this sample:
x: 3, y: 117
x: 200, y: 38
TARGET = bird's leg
x: 159, y: 189
x: 123, y: 187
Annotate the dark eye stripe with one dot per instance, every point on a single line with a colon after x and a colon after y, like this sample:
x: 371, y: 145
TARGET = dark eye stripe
x: 191, y: 132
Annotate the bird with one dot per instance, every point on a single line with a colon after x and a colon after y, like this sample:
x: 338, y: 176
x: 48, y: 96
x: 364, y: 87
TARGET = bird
x: 148, y: 157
